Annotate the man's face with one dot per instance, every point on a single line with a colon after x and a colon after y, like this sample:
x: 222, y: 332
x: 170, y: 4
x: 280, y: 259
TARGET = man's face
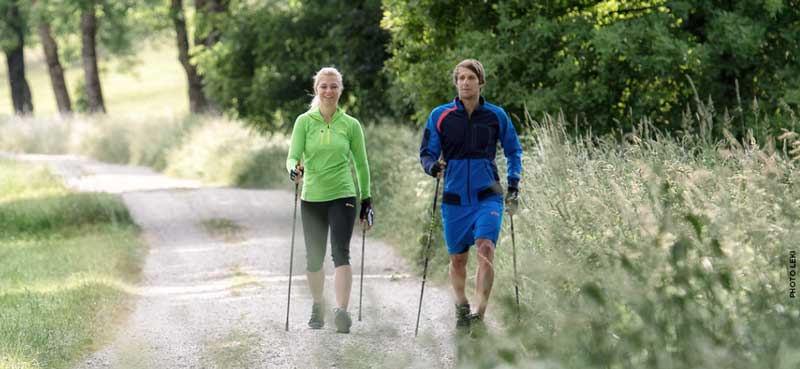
x: 467, y: 84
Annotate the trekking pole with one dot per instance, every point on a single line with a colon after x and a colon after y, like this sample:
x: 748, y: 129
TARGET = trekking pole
x: 514, y: 256
x: 364, y: 224
x: 291, y: 254
x: 361, y: 285
x: 427, y: 251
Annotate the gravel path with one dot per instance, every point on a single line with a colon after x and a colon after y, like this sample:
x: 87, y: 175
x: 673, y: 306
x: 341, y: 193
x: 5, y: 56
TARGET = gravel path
x: 212, y: 300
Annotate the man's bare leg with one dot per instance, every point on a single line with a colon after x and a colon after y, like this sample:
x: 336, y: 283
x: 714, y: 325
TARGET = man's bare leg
x: 458, y: 277
x: 484, y: 278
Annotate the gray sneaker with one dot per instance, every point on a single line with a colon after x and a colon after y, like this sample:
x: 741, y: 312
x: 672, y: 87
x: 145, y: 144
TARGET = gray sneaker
x: 317, y: 320
x: 342, y: 320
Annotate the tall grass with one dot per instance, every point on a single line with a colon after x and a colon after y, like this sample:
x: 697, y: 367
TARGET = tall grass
x: 213, y: 149
x: 225, y: 153
x: 660, y: 252
x: 129, y: 139
x: 67, y: 262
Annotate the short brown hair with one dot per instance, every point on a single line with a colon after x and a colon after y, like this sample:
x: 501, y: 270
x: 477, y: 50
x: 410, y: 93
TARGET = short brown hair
x: 473, y: 65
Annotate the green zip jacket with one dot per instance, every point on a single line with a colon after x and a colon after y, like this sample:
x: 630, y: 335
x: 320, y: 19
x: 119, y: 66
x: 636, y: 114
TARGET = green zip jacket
x: 325, y: 152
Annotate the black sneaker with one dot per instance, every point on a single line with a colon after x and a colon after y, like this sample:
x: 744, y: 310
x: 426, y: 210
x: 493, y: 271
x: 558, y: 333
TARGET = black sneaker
x: 342, y: 320
x: 317, y: 320
x: 462, y: 317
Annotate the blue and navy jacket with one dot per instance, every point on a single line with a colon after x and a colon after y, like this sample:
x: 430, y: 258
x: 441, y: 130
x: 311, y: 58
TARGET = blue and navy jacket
x: 468, y: 144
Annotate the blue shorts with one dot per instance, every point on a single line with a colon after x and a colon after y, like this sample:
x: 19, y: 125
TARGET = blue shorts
x: 463, y: 224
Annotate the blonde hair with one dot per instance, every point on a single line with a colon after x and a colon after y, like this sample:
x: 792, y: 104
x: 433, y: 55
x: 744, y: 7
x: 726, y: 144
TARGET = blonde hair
x: 473, y: 65
x: 326, y: 71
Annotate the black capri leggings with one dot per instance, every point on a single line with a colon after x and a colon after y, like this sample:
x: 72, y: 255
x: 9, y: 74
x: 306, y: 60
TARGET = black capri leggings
x: 340, y: 216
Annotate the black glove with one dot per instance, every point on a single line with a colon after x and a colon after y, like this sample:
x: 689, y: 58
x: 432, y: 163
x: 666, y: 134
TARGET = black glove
x: 298, y: 171
x: 512, y: 200
x: 437, y: 168
x: 366, y: 211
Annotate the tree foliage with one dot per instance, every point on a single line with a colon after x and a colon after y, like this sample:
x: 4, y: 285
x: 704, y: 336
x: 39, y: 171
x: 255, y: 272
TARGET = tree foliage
x: 262, y: 67
x: 605, y: 64
x: 11, y: 21
x: 121, y: 24
x: 13, y: 29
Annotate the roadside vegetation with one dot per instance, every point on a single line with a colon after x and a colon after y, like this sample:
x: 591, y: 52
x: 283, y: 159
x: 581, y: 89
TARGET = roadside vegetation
x: 656, y: 250
x: 69, y: 262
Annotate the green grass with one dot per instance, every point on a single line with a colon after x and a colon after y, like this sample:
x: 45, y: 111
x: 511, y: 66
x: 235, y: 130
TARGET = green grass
x: 235, y: 350
x: 68, y: 263
x: 240, y: 279
x: 155, y: 85
x: 223, y: 229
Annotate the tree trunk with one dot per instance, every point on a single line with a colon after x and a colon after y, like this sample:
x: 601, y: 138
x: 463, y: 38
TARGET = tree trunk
x: 207, y: 31
x: 198, y: 103
x: 94, y: 95
x: 206, y: 11
x: 54, y: 67
x: 15, y: 57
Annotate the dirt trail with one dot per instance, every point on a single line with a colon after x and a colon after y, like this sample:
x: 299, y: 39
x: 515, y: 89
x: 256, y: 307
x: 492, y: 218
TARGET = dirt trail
x: 214, y: 299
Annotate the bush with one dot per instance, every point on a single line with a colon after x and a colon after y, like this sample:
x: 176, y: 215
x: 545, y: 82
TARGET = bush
x: 261, y: 70
x: 225, y: 153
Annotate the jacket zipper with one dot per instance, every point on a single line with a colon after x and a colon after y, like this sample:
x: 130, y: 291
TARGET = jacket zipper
x: 326, y: 134
x: 469, y: 131
x: 469, y: 192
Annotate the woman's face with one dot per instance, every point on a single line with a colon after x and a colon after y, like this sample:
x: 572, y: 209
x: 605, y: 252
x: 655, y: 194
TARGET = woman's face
x: 328, y: 90
x: 467, y: 84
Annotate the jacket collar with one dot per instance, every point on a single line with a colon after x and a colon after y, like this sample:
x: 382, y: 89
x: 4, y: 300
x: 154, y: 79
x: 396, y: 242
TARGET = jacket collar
x: 460, y: 104
x: 316, y: 114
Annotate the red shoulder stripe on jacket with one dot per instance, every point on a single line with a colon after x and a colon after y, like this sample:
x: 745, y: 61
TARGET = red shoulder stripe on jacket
x: 441, y: 118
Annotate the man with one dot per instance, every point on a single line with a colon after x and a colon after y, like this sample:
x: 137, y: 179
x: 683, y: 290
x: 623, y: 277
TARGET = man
x: 466, y: 132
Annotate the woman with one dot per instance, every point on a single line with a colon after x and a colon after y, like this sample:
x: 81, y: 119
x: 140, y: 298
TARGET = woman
x: 323, y: 139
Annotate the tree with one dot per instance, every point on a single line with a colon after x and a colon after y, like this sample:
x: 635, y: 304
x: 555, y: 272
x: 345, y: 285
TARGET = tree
x: 85, y: 30
x: 422, y: 49
x: 94, y: 92
x: 209, y: 19
x: 262, y: 66
x: 605, y: 64
x: 14, y: 25
x: 210, y: 14
x: 198, y: 103
x: 54, y: 68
